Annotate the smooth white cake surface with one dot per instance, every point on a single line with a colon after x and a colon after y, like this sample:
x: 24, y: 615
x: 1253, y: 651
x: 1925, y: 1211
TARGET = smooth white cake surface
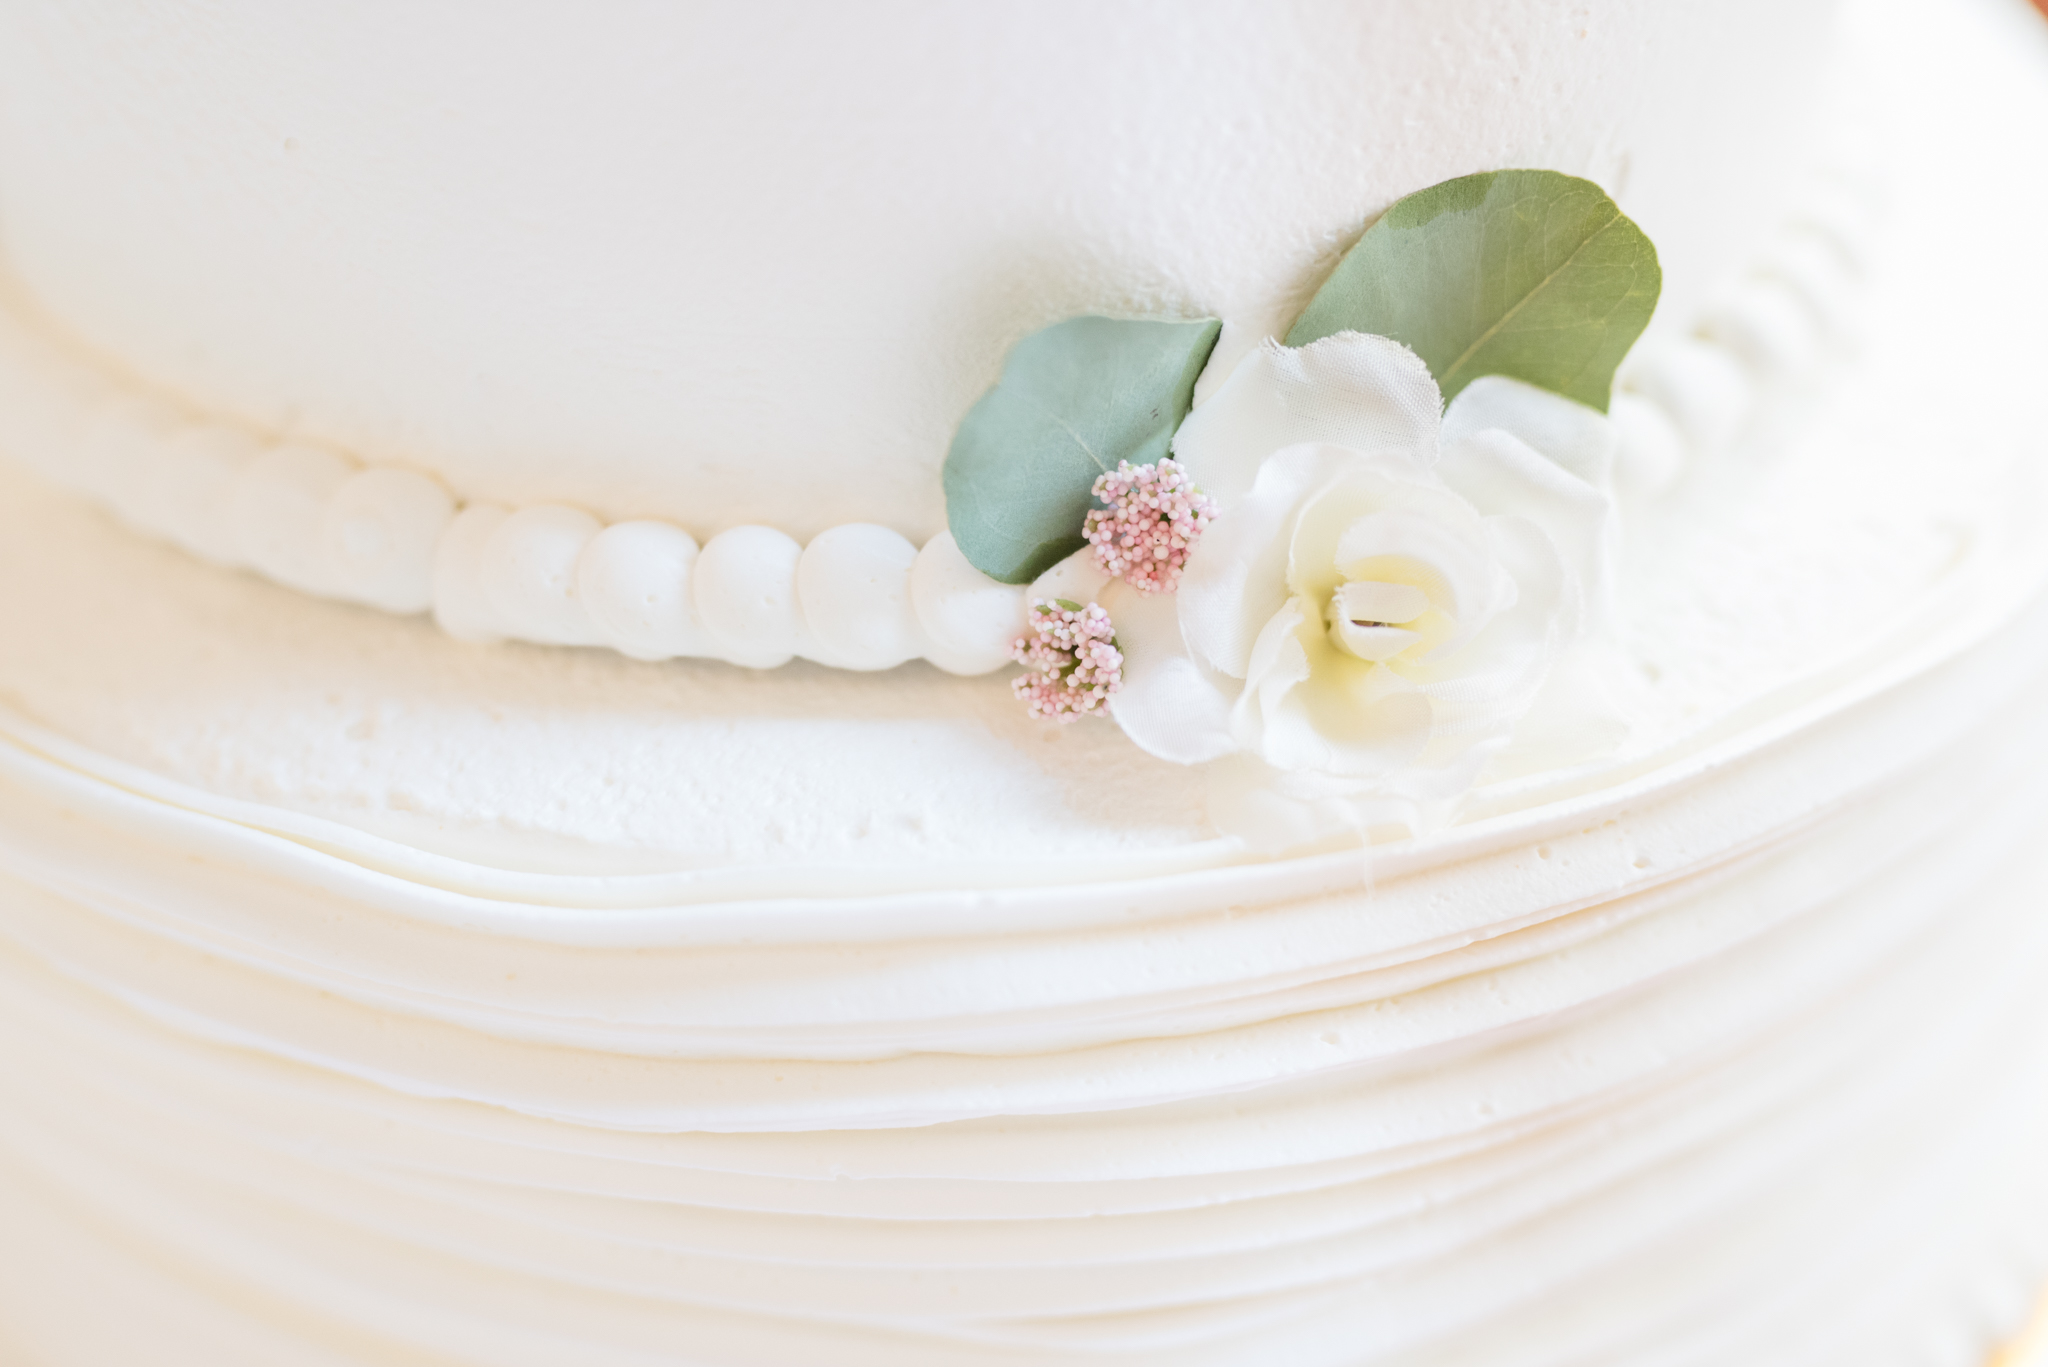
x: 751, y: 263
x: 384, y: 999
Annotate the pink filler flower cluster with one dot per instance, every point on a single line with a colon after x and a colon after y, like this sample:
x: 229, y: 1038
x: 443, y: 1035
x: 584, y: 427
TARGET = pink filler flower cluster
x: 1074, y: 662
x: 1154, y: 516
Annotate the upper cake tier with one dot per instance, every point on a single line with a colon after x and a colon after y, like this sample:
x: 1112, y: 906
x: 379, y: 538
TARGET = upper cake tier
x: 613, y: 257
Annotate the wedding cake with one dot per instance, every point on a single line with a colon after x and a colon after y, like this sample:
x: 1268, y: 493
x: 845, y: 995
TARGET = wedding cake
x: 931, y: 684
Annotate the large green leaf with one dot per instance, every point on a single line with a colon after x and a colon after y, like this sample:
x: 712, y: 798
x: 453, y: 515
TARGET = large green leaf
x: 1073, y: 400
x: 1532, y: 274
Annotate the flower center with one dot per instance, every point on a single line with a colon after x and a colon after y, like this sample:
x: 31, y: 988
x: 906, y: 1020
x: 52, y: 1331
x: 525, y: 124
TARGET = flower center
x: 1368, y: 618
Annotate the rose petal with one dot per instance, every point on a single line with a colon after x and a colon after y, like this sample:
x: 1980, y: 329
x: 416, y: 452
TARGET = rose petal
x: 1500, y: 474
x: 1236, y: 575
x: 1325, y: 460
x: 1382, y: 739
x: 1278, y: 662
x: 1481, y: 691
x: 1576, y: 437
x: 1374, y: 643
x: 1308, y: 707
x: 1368, y: 393
x: 1250, y: 800
x: 1575, y: 718
x: 1169, y: 705
x: 1387, y: 604
x: 1375, y: 741
x: 1453, y: 547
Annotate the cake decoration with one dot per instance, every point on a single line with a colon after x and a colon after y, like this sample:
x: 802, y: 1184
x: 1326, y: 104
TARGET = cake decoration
x: 1387, y: 591
x: 1074, y: 401
x: 1151, y: 517
x: 1528, y: 273
x: 1077, y: 403
x: 1071, y: 653
x: 377, y: 999
x: 1388, y: 585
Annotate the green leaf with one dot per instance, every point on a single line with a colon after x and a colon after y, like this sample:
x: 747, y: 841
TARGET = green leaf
x: 1532, y: 274
x: 1073, y: 400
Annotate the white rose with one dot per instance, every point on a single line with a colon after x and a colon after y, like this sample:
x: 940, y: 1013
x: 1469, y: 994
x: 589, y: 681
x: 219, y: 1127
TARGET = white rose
x: 1385, y: 594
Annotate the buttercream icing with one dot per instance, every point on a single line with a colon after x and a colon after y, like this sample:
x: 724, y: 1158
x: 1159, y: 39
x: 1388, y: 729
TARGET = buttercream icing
x: 378, y: 996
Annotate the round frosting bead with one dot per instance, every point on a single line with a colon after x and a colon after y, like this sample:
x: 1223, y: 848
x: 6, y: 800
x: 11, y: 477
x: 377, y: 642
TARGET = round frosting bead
x: 634, y: 580
x: 744, y: 588
x: 528, y: 567
x: 278, y: 502
x: 379, y: 535
x: 1701, y: 386
x: 1819, y: 272
x: 1769, y: 328
x: 1847, y: 216
x: 969, y: 619
x: 1649, y: 450
x: 461, y: 607
x: 203, y: 462
x: 853, y: 581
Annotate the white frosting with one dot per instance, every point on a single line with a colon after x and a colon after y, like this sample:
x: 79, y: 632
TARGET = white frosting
x: 634, y: 582
x: 380, y: 531
x: 854, y: 584
x: 463, y: 605
x: 278, y: 504
x: 612, y: 260
x: 1601, y: 1076
x: 377, y: 998
x: 313, y: 519
x: 958, y: 605
x: 527, y: 567
x: 1705, y: 388
x: 745, y: 587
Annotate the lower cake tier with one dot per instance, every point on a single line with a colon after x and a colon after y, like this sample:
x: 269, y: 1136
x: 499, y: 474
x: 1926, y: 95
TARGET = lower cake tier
x: 1735, y: 1054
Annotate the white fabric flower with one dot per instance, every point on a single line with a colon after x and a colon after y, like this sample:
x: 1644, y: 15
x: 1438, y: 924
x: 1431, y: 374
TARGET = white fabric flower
x: 1385, y: 594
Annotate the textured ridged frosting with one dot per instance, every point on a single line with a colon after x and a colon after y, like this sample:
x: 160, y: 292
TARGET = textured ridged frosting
x: 1642, y: 1052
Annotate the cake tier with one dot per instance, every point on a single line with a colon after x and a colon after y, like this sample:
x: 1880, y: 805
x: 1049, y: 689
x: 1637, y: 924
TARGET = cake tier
x: 751, y: 263
x: 1737, y: 1059
x: 380, y: 999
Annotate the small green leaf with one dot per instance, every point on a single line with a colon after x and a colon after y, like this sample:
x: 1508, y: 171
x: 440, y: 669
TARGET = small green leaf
x: 1532, y: 274
x: 1073, y: 400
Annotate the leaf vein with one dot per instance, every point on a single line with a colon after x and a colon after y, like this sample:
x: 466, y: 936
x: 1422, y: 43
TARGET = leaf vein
x: 1486, y: 336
